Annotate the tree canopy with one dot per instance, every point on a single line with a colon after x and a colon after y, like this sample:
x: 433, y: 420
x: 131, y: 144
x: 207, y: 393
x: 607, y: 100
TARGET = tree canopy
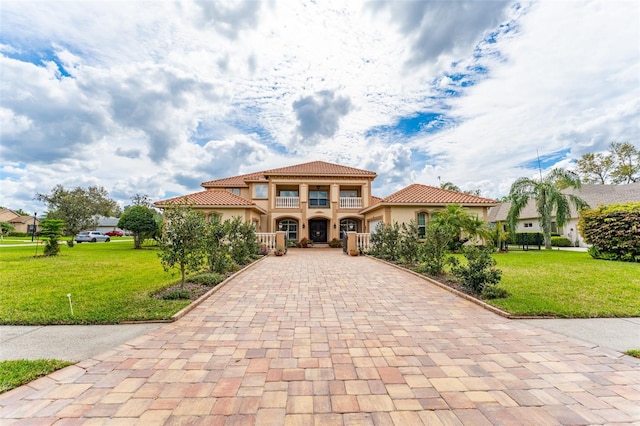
x: 79, y: 207
x: 141, y: 221
x: 548, y: 197
x: 620, y: 165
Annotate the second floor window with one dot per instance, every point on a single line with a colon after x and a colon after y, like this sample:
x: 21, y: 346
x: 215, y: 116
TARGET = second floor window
x: 260, y: 191
x: 234, y: 190
x: 318, y: 199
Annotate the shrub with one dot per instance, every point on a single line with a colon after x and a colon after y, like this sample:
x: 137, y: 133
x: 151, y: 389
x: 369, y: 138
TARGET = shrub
x: 305, y: 242
x: 560, y: 242
x: 613, y: 231
x: 209, y: 279
x: 409, y: 243
x: 384, y: 242
x: 335, y: 243
x: 494, y: 292
x: 432, y: 253
x: 264, y: 250
x: 177, y: 294
x: 242, y: 240
x: 479, y: 273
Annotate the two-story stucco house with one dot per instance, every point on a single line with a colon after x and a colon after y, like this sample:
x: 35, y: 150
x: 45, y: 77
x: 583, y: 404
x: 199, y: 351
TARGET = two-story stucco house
x: 319, y: 200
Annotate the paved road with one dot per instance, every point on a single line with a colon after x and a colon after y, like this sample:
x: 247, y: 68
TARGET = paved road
x: 319, y: 337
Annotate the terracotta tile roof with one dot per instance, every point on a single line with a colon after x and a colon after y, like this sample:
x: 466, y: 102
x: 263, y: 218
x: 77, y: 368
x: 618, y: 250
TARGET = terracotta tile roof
x: 233, y: 181
x: 212, y: 198
x: 319, y: 168
x: 314, y: 168
x: 424, y: 194
x: 375, y: 200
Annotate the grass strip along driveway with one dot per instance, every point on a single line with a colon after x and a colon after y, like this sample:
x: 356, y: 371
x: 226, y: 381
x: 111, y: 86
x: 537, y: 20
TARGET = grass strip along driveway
x: 567, y: 284
x: 107, y: 283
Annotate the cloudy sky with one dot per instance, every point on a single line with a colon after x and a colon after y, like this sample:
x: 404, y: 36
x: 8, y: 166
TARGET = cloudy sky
x: 156, y: 97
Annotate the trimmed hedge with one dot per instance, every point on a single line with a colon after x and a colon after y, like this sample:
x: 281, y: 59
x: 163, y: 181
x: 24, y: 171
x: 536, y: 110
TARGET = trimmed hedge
x: 531, y: 238
x: 613, y: 231
x: 560, y: 242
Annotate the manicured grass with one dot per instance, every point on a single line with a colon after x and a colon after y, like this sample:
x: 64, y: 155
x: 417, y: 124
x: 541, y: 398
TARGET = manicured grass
x: 633, y: 352
x: 19, y: 372
x: 108, y: 282
x: 568, y: 284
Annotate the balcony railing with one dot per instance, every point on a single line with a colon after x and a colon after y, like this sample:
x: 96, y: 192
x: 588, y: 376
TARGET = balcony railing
x: 287, y: 202
x: 350, y: 202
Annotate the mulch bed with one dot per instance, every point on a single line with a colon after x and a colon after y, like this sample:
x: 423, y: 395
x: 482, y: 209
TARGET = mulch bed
x: 195, y: 290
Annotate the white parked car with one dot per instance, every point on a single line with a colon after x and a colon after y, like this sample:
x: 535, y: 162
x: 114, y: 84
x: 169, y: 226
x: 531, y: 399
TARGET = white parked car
x: 91, y: 237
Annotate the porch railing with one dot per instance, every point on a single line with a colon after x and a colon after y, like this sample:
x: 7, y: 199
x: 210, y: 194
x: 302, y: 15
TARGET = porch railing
x: 362, y: 240
x: 350, y: 202
x: 268, y: 239
x: 287, y: 202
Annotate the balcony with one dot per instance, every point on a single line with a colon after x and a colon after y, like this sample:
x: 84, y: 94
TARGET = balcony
x: 350, y: 202
x: 287, y: 202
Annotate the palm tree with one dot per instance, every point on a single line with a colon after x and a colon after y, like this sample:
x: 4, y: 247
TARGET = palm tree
x: 548, y: 196
x: 459, y: 224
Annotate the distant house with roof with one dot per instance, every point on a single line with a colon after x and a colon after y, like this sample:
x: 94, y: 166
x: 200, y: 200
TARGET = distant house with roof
x: 594, y: 195
x: 21, y: 223
x: 320, y: 200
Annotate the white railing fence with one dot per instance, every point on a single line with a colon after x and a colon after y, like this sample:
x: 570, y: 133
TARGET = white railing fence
x: 362, y: 240
x: 287, y: 202
x: 267, y: 239
x: 350, y: 202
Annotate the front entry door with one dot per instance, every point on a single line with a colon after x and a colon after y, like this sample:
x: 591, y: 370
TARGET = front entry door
x: 318, y: 230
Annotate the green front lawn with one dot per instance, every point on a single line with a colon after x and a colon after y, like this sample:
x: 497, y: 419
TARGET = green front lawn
x: 568, y: 284
x: 108, y: 282
x: 19, y: 372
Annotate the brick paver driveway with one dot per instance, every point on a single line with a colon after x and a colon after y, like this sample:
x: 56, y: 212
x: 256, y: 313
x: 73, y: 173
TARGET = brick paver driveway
x: 317, y: 337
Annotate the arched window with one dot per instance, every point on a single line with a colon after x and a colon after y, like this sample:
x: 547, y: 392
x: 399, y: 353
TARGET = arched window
x: 290, y: 227
x: 422, y: 224
x: 348, y: 225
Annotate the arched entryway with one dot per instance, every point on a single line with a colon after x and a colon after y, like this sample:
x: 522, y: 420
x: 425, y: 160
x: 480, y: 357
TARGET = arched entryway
x: 289, y: 226
x: 348, y: 225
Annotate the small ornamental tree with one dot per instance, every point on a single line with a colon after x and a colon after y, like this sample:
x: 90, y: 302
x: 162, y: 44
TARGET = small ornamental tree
x: 613, y: 231
x: 216, y: 246
x: 242, y: 239
x: 141, y: 221
x: 181, y: 242
x: 52, y: 230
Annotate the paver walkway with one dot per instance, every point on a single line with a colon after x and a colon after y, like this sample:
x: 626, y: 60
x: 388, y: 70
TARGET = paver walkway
x: 317, y: 337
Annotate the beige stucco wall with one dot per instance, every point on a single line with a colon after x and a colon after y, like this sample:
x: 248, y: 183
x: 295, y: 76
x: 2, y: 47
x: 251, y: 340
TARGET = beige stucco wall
x: 405, y: 214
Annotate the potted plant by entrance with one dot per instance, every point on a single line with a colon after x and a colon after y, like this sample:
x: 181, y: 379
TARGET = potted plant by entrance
x: 279, y: 251
x: 354, y: 252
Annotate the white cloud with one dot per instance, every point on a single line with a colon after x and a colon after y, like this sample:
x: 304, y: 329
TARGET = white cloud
x: 155, y: 99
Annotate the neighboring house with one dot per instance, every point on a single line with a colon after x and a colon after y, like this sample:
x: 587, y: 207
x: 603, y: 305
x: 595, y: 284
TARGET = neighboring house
x: 319, y: 201
x: 594, y: 195
x: 21, y: 223
x: 106, y: 224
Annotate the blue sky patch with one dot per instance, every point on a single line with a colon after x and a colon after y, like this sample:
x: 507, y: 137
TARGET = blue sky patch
x: 422, y: 122
x: 39, y: 58
x: 546, y: 160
